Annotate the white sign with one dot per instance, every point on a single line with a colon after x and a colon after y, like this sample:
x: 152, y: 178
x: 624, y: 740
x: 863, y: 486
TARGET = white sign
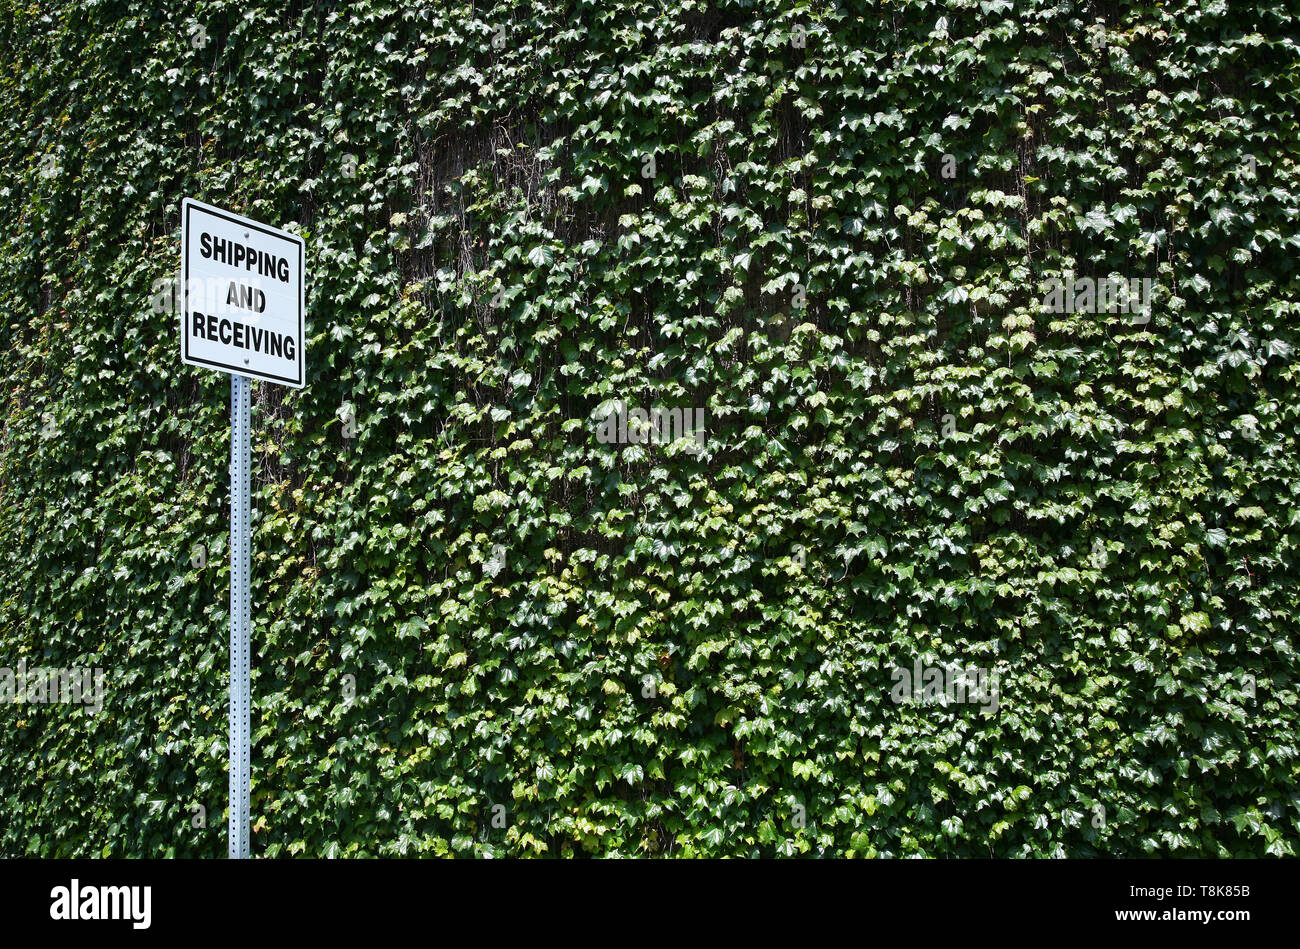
x: 241, y: 295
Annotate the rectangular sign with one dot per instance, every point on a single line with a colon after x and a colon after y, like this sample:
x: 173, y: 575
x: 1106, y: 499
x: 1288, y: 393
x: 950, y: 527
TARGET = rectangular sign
x: 241, y: 295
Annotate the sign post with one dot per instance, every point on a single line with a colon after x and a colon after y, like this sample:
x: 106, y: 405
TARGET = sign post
x: 241, y: 312
x: 240, y: 687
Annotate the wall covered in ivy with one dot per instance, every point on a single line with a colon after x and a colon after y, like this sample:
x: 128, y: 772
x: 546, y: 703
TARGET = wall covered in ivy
x: 829, y: 231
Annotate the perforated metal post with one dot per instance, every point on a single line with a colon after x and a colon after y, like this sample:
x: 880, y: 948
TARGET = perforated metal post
x: 240, y: 689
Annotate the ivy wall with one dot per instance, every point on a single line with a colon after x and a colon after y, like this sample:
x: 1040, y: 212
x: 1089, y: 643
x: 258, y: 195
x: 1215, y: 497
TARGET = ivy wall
x: 830, y: 230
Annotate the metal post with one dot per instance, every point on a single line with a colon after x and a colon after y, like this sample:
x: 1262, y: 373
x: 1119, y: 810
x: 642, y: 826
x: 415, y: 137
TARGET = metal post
x: 240, y: 690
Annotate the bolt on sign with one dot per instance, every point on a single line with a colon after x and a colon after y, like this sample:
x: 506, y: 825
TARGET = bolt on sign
x: 241, y: 295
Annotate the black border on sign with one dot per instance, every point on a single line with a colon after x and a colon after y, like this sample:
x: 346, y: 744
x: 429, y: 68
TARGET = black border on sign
x: 190, y: 205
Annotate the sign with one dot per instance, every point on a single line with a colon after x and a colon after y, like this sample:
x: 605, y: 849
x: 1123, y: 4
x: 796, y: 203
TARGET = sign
x: 242, y: 313
x: 241, y: 295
